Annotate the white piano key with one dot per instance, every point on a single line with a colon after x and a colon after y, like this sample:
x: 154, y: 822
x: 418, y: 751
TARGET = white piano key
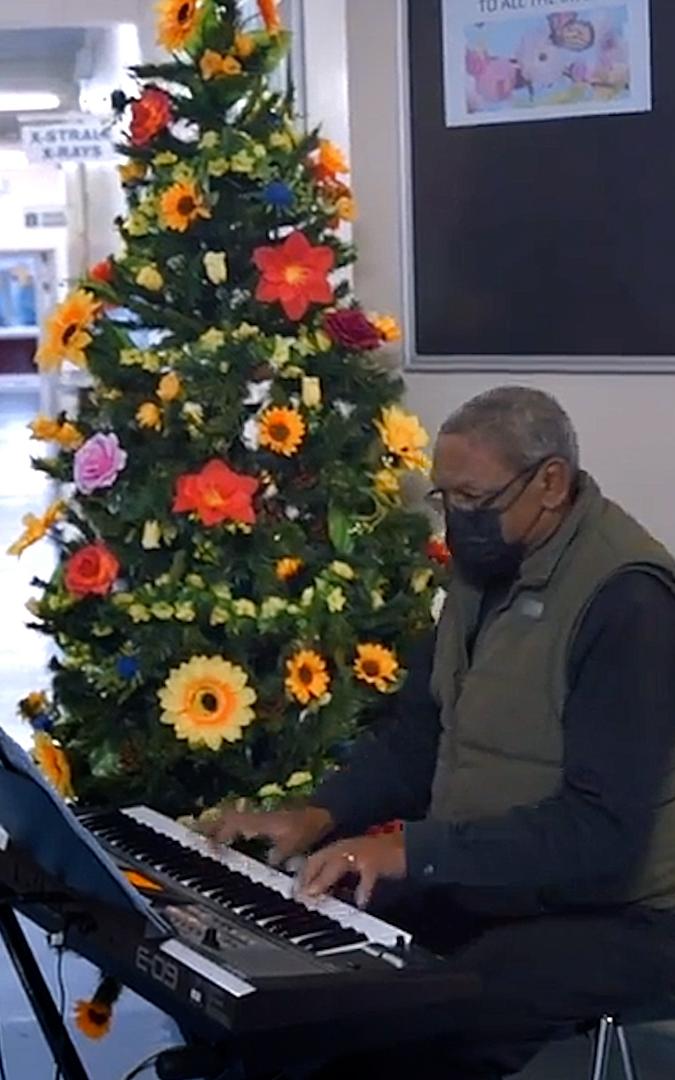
x: 376, y: 930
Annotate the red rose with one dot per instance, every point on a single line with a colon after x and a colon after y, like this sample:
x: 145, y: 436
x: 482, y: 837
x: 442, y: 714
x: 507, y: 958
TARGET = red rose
x: 149, y: 116
x: 352, y: 329
x: 102, y: 271
x: 438, y: 551
x: 91, y: 571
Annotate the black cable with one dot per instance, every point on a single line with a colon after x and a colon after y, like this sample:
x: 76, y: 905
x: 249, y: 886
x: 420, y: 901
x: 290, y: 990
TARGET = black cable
x: 60, y: 952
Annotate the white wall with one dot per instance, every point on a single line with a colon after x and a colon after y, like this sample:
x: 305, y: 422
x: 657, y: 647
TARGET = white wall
x: 626, y: 423
x: 31, y: 187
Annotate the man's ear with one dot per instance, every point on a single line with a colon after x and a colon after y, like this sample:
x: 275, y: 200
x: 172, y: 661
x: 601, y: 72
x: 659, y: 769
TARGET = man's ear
x: 556, y: 484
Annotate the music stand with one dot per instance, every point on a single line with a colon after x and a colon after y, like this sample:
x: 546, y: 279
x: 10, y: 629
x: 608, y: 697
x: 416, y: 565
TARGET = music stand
x: 39, y: 825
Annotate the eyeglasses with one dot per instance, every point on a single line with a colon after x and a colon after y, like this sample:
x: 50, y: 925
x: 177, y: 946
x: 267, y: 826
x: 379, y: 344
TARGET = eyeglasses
x: 440, y: 501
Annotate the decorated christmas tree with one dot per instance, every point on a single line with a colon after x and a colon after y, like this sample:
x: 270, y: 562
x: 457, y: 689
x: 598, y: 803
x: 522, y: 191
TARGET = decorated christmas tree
x: 238, y: 577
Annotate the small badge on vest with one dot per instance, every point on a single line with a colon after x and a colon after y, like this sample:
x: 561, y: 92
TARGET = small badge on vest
x: 531, y: 607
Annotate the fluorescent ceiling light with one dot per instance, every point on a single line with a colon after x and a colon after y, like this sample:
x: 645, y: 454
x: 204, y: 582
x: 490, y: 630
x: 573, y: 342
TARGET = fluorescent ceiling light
x: 28, y: 101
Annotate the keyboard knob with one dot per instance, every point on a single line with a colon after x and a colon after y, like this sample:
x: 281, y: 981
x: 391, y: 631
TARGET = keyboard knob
x: 210, y: 939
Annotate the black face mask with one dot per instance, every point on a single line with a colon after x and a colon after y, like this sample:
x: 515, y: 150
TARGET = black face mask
x: 478, y: 546
x: 477, y: 542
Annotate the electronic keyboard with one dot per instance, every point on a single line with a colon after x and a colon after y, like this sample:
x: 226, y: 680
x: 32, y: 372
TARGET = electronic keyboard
x: 241, y: 952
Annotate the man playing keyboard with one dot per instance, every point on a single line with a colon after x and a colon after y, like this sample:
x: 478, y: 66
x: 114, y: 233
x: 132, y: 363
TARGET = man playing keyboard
x: 531, y: 758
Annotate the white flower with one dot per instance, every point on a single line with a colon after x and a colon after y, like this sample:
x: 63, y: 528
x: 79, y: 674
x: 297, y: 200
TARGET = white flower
x: 344, y: 408
x: 250, y: 434
x: 193, y: 413
x: 215, y: 264
x: 377, y: 599
x: 185, y: 131
x: 258, y: 393
x: 292, y: 513
x: 152, y: 536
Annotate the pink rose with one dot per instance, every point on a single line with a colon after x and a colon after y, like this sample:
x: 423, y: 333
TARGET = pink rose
x: 98, y: 463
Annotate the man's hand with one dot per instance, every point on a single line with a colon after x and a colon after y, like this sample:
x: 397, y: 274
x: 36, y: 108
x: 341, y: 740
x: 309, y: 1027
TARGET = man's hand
x: 292, y: 832
x: 369, y: 857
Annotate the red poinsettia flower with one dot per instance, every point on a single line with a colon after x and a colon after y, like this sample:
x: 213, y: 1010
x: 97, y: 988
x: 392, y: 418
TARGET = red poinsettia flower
x: 102, y: 271
x: 296, y: 274
x: 438, y: 551
x: 217, y: 494
x: 150, y: 115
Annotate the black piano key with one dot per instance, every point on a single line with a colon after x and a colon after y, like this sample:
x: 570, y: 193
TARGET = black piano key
x: 333, y: 940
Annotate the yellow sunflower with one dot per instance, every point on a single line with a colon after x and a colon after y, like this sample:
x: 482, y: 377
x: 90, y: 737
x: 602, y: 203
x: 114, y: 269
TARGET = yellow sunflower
x: 282, y: 430
x: 183, y: 204
x: 404, y: 436
x: 307, y: 676
x: 66, y: 334
x: 208, y: 701
x: 93, y: 1018
x: 53, y: 764
x: 178, y: 21
x: 376, y: 666
x: 288, y: 568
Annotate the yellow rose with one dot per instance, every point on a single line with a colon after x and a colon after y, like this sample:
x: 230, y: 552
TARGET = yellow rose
x: 243, y: 162
x: 193, y: 413
x: 281, y: 140
x: 149, y: 416
x: 152, y: 536
x: 336, y: 600
x: 246, y: 609
x: 311, y: 392
x: 185, y: 612
x: 218, y: 167
x: 420, y: 580
x: 272, y: 606
x: 299, y: 779
x: 215, y: 265
x: 169, y: 387
x: 212, y: 339
x: 270, y: 791
x: 209, y: 140
x: 343, y: 570
x: 150, y: 278
x: 138, y: 613
x: 219, y: 616
x: 162, y: 611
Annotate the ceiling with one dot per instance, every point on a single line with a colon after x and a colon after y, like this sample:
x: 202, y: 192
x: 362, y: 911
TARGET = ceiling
x: 36, y: 59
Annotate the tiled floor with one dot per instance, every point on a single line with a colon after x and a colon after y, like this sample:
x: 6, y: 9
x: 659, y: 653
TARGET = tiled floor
x: 139, y: 1029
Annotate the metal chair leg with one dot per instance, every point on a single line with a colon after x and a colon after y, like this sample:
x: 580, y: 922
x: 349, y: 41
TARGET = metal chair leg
x: 629, y: 1067
x: 602, y: 1049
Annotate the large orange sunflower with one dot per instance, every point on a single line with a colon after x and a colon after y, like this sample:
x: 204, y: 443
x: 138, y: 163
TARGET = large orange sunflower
x: 208, y: 701
x: 178, y: 21
x: 93, y: 1019
x: 67, y: 331
x: 376, y: 666
x: 282, y: 430
x: 307, y: 676
x: 183, y: 204
x: 53, y: 764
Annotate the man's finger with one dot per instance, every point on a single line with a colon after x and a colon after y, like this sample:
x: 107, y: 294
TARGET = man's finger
x: 366, y: 885
x: 324, y: 874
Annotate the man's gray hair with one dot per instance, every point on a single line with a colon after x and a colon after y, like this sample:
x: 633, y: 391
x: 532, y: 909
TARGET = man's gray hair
x: 522, y: 425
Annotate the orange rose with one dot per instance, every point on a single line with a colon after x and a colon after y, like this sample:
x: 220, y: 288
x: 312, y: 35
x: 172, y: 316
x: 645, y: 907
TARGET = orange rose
x: 91, y: 571
x: 150, y: 115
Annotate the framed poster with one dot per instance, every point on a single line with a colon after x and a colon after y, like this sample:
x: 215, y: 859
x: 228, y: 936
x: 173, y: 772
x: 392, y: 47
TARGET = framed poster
x: 543, y: 246
x: 512, y: 61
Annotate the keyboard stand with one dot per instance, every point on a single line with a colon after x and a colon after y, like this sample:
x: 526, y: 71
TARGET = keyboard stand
x: 52, y: 1024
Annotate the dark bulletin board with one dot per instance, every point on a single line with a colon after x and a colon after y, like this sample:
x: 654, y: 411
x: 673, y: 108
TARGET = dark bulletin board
x: 549, y: 238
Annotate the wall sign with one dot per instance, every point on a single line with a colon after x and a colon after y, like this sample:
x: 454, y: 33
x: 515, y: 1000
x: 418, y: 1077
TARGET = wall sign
x: 509, y: 61
x: 82, y: 139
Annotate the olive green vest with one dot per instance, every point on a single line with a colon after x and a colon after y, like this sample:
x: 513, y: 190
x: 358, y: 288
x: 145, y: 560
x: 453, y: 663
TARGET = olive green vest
x: 501, y: 743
